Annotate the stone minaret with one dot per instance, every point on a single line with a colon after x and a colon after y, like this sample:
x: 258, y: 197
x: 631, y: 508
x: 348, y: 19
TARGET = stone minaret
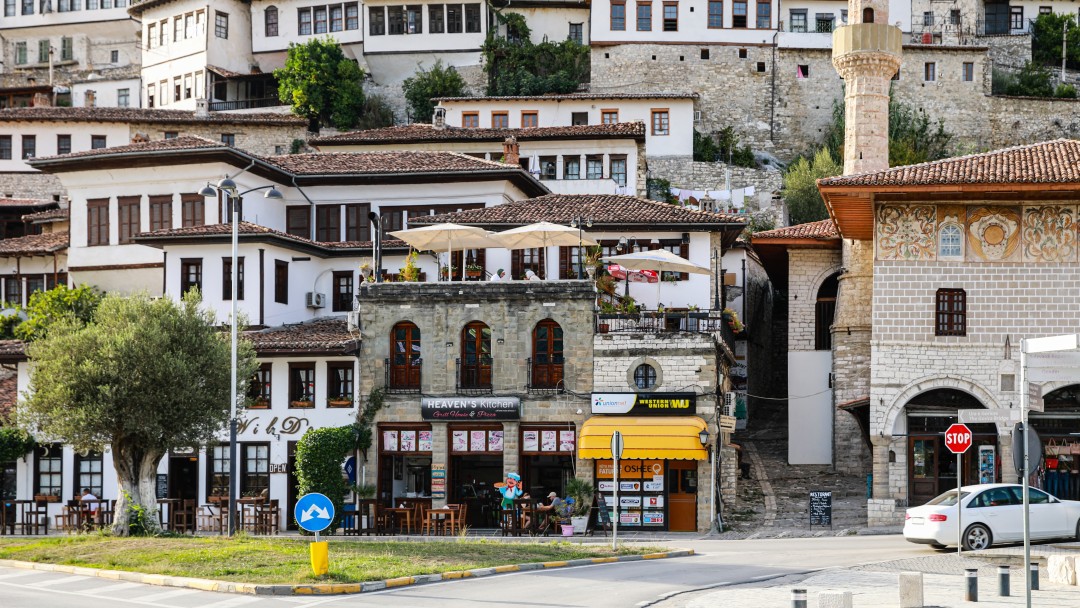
x: 867, y: 55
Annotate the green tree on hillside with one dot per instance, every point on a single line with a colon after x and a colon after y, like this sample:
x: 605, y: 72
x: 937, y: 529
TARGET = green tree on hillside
x: 426, y: 84
x: 800, y: 189
x: 322, y: 84
x: 516, y: 66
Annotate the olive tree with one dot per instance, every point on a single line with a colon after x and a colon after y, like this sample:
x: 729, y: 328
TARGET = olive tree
x: 141, y: 377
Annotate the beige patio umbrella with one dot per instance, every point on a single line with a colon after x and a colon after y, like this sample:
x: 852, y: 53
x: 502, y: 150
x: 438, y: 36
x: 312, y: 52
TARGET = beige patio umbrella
x: 660, y: 260
x: 542, y: 235
x: 439, y: 237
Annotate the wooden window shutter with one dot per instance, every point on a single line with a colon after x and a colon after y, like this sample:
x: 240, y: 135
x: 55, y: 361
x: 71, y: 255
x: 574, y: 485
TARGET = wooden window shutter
x: 684, y: 253
x: 516, y: 271
x: 564, y: 263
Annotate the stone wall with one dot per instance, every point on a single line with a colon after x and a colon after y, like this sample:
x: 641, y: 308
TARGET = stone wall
x: 1010, y: 52
x: 1026, y: 120
x: 261, y: 140
x: 683, y: 362
x: 30, y: 185
x: 684, y: 173
x: 807, y: 270
x: 851, y: 335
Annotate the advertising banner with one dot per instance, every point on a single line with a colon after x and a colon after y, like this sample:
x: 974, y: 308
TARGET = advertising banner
x: 645, y: 404
x: 470, y: 408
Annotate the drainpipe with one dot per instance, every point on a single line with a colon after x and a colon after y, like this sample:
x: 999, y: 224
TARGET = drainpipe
x: 772, y: 92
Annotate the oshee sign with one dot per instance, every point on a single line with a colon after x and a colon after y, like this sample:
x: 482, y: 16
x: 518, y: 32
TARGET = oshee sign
x: 470, y: 408
x: 645, y: 404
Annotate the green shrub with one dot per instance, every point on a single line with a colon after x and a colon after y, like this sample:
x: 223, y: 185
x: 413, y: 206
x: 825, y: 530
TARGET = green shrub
x: 437, y: 81
x: 14, y: 443
x: 516, y: 66
x: 1065, y: 91
x: 319, y: 456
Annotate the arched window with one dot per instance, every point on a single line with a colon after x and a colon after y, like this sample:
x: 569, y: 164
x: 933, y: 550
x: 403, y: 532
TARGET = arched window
x: 824, y: 310
x: 476, y: 356
x: 645, y: 376
x: 868, y: 15
x: 271, y: 18
x: 951, y: 242
x: 547, y: 361
x: 405, y: 358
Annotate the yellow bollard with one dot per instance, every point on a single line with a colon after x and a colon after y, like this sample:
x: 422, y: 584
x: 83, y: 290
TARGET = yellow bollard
x: 320, y: 558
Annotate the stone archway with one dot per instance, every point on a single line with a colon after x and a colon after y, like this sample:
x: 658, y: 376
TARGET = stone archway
x: 925, y: 384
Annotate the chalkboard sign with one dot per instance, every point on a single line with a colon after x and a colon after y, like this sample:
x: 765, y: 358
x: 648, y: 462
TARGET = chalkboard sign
x: 162, y: 485
x: 602, y: 513
x: 820, y: 509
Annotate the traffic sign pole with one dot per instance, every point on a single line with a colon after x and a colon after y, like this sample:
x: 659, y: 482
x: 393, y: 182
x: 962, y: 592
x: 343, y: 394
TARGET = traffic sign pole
x: 314, y: 512
x: 958, y: 440
x: 616, y: 454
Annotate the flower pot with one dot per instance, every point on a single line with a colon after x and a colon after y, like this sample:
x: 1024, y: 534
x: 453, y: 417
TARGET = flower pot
x: 580, y: 523
x: 567, y: 529
x: 301, y: 404
x: 473, y: 274
x: 603, y: 328
x: 339, y: 402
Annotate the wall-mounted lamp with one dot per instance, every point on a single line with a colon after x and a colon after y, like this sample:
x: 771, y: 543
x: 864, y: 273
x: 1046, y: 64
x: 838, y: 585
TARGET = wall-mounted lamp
x: 500, y: 341
x: 449, y: 345
x: 703, y: 436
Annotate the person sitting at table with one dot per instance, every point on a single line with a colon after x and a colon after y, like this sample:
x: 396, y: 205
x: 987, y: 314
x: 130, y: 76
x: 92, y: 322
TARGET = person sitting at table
x: 531, y: 276
x: 89, y: 503
x: 548, y: 509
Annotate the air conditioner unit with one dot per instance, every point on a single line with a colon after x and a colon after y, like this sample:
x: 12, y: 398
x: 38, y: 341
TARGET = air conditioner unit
x: 352, y: 321
x: 729, y: 404
x: 315, y: 300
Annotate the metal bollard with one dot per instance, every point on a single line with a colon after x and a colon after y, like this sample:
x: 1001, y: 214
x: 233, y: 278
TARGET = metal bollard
x: 1003, y: 581
x: 798, y: 598
x: 971, y: 575
x: 1034, y: 576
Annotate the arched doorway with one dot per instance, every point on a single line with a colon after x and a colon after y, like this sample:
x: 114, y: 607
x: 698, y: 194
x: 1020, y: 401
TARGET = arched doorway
x: 824, y: 311
x: 931, y: 466
x: 1057, y: 426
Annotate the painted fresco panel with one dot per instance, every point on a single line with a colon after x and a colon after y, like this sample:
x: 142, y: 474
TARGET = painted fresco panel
x: 906, y: 232
x: 1049, y: 234
x: 993, y: 234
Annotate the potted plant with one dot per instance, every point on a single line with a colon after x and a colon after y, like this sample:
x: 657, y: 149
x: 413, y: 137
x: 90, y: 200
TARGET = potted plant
x: 474, y: 271
x: 365, y: 270
x: 339, y: 401
x: 410, y: 273
x: 305, y: 402
x: 446, y: 271
x: 564, y: 515
x: 260, y: 403
x: 581, y: 492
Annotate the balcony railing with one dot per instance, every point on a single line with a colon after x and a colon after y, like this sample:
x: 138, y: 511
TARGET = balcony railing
x: 470, y: 382
x: 411, y: 386
x: 245, y: 104
x: 548, y: 387
x: 652, y: 322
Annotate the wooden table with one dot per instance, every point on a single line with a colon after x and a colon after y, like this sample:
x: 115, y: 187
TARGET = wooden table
x: 441, y: 518
x: 407, y: 512
x: 91, y: 514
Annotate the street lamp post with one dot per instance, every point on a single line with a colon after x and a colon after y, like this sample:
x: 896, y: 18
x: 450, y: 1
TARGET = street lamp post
x: 227, y: 187
x: 579, y: 223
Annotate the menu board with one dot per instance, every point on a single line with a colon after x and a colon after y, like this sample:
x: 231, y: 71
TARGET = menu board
x: 821, y: 508
x: 547, y: 441
x: 438, y: 480
x: 495, y: 441
x: 460, y: 441
x: 566, y: 441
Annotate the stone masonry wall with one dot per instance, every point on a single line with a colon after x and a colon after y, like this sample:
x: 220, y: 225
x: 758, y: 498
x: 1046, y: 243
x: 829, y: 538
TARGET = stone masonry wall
x: 851, y: 335
x: 807, y: 270
x: 262, y: 140
x: 511, y: 310
x: 684, y: 173
x: 30, y: 185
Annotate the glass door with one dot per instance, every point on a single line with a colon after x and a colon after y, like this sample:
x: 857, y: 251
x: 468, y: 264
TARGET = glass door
x: 923, y: 453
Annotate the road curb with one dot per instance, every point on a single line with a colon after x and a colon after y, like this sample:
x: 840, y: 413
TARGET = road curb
x: 203, y: 584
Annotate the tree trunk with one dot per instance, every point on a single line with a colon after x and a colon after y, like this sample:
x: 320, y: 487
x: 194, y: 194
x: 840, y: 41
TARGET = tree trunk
x: 136, y: 471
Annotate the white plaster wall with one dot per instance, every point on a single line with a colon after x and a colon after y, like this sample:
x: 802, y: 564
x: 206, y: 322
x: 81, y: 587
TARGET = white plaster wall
x: 197, y: 42
x: 289, y: 26
x: 693, y: 25
x: 18, y: 20
x: 557, y: 112
x: 106, y: 93
x: 116, y: 134
x: 425, y: 41
x: 810, y: 409
x: 553, y: 24
x: 166, y: 71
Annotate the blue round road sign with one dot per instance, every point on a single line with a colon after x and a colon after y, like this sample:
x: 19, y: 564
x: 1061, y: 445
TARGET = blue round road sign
x: 314, y: 512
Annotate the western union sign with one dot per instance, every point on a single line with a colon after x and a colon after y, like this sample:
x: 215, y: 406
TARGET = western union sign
x: 645, y: 404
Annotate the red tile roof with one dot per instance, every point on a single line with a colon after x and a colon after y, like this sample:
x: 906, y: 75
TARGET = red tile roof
x: 35, y: 244
x: 9, y: 396
x: 424, y: 133
x: 176, y: 144
x: 25, y: 202
x: 328, y: 335
x: 383, y: 163
x: 1048, y: 162
x: 602, y: 208
x: 144, y: 115
x: 556, y: 97
x: 824, y: 229
x: 45, y: 217
x: 12, y: 350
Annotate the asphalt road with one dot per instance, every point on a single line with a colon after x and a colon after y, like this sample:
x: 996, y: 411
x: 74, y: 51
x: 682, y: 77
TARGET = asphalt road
x: 608, y: 585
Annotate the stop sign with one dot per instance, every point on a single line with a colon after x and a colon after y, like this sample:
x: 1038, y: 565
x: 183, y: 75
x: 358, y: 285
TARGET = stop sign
x: 958, y: 438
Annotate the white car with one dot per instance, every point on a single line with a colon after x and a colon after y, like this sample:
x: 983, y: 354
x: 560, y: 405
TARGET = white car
x: 992, y: 513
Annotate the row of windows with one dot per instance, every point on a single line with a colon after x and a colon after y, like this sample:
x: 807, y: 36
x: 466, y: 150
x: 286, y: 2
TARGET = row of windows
x: 29, y: 145
x: 49, y: 471
x: 669, y: 15
x: 500, y: 119
x: 62, y: 6
x: 572, y: 168
x: 409, y: 19
x: 129, y: 210
x: 319, y: 19
x: 191, y: 277
x: 184, y: 27
x: 476, y: 360
x: 16, y: 285
x: 44, y: 50
x: 823, y: 22
x: 339, y: 385
x: 183, y: 87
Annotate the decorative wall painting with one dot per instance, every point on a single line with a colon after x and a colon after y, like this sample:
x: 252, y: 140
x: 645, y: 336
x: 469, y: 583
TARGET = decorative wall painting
x: 408, y: 441
x: 566, y: 441
x: 1049, y: 234
x: 993, y: 234
x: 547, y: 441
x: 477, y: 441
x: 906, y: 232
x: 390, y: 441
x: 495, y: 441
x: 423, y: 444
x: 460, y: 441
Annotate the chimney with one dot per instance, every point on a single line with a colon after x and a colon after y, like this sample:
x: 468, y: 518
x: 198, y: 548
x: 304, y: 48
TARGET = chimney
x: 90, y: 98
x: 438, y: 118
x: 140, y: 138
x: 510, y: 151
x: 202, y: 108
x: 41, y: 100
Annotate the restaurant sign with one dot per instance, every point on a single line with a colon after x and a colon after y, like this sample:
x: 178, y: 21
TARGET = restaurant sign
x: 470, y: 408
x: 645, y: 404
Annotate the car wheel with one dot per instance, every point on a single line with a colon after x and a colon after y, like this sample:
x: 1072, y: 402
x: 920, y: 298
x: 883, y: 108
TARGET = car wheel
x: 977, y: 537
x: 937, y: 546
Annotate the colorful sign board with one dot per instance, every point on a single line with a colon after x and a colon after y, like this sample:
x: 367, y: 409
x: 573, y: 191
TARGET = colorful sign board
x: 645, y: 404
x: 470, y: 408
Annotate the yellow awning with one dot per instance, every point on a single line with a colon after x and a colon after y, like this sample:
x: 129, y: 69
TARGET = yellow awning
x: 669, y: 438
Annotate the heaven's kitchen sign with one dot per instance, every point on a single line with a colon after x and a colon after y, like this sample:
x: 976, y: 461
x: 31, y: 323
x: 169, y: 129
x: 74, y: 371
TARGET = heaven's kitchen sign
x: 470, y: 408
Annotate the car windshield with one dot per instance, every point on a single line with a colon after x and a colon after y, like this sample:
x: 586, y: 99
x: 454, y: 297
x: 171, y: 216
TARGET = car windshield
x: 947, y: 499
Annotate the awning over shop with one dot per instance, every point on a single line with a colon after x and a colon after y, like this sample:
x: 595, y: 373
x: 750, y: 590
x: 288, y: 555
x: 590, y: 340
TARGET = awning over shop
x: 669, y: 438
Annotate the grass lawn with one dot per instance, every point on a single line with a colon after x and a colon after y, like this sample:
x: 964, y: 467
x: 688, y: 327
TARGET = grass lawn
x: 285, y: 560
